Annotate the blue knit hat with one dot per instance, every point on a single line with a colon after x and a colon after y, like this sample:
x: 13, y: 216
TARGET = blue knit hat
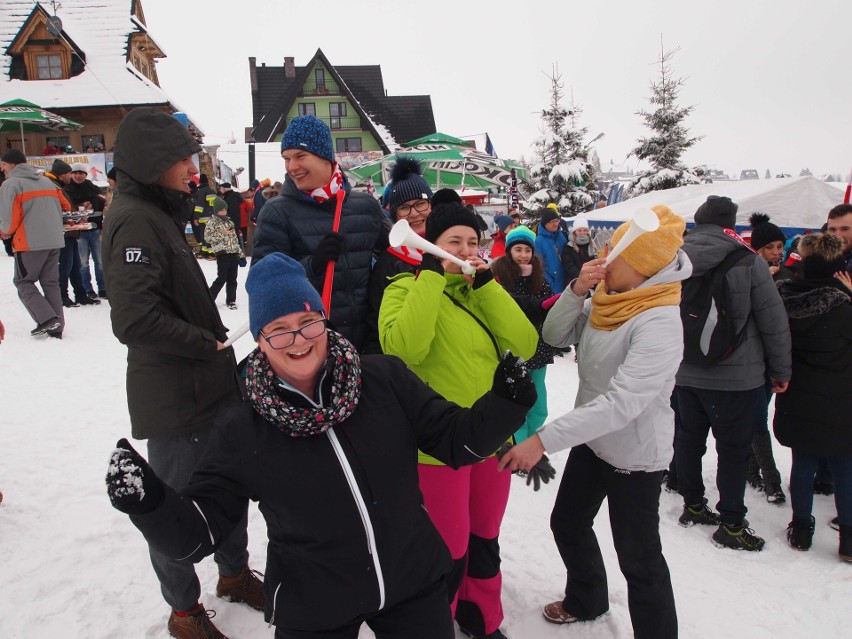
x: 503, y: 222
x: 310, y: 134
x: 520, y: 235
x: 277, y: 286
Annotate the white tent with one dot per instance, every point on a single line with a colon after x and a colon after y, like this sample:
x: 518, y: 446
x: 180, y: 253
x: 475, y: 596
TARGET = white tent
x: 793, y: 203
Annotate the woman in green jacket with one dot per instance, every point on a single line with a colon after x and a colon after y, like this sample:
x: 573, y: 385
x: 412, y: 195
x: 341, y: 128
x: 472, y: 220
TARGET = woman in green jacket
x: 451, y: 329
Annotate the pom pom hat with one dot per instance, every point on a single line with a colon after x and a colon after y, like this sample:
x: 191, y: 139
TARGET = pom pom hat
x: 717, y: 210
x: 651, y: 252
x: 277, y: 286
x: 310, y: 134
x: 407, y: 184
x: 520, y: 235
x: 763, y: 231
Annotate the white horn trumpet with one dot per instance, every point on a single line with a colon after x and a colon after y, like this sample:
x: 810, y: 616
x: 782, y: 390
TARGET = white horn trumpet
x: 644, y: 221
x: 402, y: 235
x: 237, y: 334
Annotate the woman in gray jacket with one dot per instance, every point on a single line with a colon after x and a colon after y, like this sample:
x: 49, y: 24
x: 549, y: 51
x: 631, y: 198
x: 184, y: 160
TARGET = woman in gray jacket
x: 620, y: 432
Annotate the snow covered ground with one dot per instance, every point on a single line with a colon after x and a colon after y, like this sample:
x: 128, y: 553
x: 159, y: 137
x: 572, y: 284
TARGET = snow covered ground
x: 74, y: 567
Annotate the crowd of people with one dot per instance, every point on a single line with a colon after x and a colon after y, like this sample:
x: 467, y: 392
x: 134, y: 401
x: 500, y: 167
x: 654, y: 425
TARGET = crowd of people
x: 410, y: 387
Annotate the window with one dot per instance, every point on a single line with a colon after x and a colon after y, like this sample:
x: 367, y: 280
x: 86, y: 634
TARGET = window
x: 94, y: 141
x: 49, y: 67
x: 307, y: 108
x: 61, y: 141
x: 319, y: 76
x: 348, y: 145
x: 336, y: 110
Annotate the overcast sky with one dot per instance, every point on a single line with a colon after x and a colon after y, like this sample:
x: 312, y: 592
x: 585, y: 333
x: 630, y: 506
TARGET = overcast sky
x: 770, y: 81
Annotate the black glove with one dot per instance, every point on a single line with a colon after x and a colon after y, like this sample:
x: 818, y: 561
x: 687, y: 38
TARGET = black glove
x: 512, y: 381
x: 329, y: 249
x: 539, y: 474
x: 481, y: 278
x: 431, y: 263
x: 132, y: 486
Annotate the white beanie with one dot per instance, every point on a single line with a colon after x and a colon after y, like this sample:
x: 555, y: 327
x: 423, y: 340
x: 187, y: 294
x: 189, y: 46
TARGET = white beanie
x: 580, y: 222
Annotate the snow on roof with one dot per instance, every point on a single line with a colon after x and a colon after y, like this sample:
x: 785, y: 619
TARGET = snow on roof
x: 101, y: 30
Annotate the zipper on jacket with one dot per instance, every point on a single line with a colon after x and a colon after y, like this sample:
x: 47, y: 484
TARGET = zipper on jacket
x: 274, y: 604
x: 362, y: 510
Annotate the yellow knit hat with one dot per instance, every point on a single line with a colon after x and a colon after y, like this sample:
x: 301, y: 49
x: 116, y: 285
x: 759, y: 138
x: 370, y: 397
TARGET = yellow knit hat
x: 650, y: 252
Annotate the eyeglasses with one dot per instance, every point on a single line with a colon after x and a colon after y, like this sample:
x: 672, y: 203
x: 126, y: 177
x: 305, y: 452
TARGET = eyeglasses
x: 404, y: 210
x: 285, y: 339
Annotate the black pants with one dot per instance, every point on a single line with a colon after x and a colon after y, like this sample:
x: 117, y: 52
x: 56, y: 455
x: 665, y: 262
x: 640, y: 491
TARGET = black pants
x: 634, y: 504
x: 731, y: 416
x: 425, y: 616
x: 227, y: 266
x: 69, y: 269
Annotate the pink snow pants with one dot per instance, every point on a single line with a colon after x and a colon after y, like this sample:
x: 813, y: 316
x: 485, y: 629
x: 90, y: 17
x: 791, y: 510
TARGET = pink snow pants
x: 467, y: 507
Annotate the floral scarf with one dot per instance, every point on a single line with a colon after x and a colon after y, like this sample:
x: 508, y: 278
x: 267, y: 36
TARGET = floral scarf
x: 610, y: 312
x: 343, y: 365
x: 324, y: 193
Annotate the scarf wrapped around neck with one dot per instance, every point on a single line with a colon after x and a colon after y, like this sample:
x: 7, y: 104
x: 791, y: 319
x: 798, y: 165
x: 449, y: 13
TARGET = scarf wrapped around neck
x: 610, y: 312
x: 343, y: 365
x: 324, y: 193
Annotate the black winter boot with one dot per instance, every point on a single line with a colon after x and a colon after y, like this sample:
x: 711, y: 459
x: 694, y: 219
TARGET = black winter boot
x: 845, y: 550
x: 800, y: 533
x: 753, y: 477
x: 761, y: 447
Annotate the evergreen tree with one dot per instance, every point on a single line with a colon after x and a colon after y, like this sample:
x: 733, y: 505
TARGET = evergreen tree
x: 563, y: 172
x: 670, y: 137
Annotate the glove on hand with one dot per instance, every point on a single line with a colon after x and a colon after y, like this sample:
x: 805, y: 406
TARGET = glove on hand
x: 431, y: 263
x: 512, y: 381
x: 482, y: 278
x: 329, y: 249
x: 539, y: 474
x: 550, y: 301
x: 132, y: 486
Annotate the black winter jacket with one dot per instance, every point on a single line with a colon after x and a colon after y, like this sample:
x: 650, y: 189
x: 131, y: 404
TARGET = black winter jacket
x: 387, y: 265
x: 294, y: 224
x: 86, y: 191
x: 234, y: 201
x: 160, y: 302
x: 573, y: 258
x: 815, y: 414
x: 348, y: 533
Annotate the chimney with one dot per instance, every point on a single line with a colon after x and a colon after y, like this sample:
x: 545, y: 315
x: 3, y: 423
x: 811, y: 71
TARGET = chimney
x: 289, y: 68
x: 253, y: 73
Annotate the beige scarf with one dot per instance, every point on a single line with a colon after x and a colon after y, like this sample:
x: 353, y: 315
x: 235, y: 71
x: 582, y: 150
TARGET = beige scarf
x: 610, y: 312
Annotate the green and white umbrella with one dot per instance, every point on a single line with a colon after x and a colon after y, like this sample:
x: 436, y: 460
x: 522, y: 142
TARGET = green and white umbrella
x: 447, y: 162
x: 20, y: 115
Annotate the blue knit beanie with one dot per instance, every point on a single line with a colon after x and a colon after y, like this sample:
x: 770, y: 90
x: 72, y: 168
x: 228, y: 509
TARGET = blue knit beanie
x: 310, y: 134
x: 520, y: 235
x: 277, y: 286
x: 503, y: 222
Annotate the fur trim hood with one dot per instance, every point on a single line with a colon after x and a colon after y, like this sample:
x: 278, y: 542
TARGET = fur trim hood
x: 810, y: 300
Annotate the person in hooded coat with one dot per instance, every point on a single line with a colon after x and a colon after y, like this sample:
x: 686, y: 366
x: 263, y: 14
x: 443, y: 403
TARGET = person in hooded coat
x: 179, y: 373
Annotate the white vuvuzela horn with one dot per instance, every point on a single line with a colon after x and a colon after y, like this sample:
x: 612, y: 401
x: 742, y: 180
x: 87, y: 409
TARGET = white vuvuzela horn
x: 242, y: 330
x: 644, y: 221
x: 402, y: 235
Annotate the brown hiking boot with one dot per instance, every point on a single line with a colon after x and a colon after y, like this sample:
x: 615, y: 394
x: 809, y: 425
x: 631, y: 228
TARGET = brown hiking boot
x: 244, y: 588
x: 195, y: 625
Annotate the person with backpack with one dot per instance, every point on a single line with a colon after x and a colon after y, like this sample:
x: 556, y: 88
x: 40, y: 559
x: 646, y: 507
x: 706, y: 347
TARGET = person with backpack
x: 735, y: 331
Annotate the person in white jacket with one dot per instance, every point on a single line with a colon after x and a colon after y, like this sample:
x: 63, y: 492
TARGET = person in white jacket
x: 621, y: 429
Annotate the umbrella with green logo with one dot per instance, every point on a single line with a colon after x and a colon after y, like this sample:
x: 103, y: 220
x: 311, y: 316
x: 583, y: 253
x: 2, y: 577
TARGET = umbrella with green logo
x: 447, y: 162
x: 20, y: 115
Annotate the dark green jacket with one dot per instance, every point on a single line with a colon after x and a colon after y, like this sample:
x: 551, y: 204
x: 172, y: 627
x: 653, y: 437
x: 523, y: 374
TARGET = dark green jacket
x: 160, y: 303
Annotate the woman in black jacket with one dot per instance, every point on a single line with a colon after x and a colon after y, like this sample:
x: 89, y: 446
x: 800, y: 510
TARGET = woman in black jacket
x: 812, y: 417
x: 327, y: 444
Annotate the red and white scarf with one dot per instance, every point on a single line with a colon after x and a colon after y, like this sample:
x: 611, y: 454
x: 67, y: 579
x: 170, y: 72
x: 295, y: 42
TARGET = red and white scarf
x: 325, y: 193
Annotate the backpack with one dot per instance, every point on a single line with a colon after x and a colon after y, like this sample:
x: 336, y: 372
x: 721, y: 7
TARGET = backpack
x: 709, y: 333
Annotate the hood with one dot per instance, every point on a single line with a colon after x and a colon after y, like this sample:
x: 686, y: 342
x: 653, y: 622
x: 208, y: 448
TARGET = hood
x: 679, y: 269
x: 707, y: 245
x: 811, y: 299
x: 148, y: 143
x: 25, y: 171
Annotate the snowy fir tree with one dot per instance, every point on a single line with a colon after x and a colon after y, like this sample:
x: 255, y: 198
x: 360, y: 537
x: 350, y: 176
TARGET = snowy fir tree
x: 562, y: 172
x: 670, y: 137
x: 805, y: 172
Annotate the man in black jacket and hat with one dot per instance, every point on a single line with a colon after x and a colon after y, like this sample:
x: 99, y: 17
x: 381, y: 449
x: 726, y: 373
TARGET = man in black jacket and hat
x: 179, y: 373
